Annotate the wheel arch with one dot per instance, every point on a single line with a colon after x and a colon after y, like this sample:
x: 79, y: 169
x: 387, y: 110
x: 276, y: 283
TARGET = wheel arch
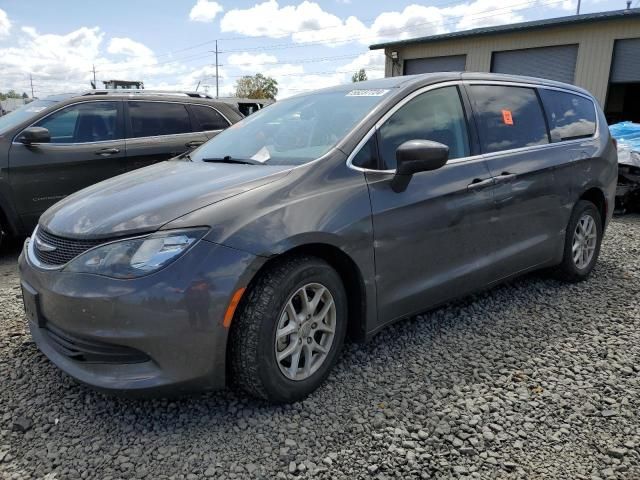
x: 349, y: 273
x: 596, y: 196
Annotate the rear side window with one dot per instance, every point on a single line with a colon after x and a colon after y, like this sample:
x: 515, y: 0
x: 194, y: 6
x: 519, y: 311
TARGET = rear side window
x: 83, y: 123
x: 209, y: 118
x: 149, y: 119
x: 434, y: 115
x: 508, y: 117
x: 570, y: 116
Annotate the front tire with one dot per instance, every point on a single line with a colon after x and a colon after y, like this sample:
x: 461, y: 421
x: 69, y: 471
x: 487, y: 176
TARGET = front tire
x: 582, y: 243
x: 289, y: 330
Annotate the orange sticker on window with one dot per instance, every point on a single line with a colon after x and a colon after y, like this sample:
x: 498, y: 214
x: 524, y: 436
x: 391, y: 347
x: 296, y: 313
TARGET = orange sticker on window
x: 506, y: 117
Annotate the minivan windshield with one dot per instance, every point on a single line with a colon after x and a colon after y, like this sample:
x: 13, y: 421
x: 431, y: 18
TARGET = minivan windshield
x: 292, y: 131
x: 23, y: 113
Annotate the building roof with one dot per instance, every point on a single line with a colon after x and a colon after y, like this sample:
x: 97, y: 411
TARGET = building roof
x: 516, y: 27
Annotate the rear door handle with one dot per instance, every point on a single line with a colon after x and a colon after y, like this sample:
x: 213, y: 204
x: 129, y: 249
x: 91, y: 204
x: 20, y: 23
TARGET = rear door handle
x: 479, y: 183
x: 505, y: 177
x: 105, y: 152
x: 194, y: 143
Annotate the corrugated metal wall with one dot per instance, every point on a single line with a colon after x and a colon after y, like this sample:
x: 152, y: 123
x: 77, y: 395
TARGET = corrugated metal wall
x: 555, y: 63
x: 626, y: 61
x: 595, y: 40
x: 453, y: 63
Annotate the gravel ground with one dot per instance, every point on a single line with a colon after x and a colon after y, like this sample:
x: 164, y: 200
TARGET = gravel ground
x: 533, y: 379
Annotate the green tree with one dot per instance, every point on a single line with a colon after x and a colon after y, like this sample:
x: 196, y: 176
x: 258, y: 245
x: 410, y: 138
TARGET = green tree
x: 257, y: 86
x: 359, y: 76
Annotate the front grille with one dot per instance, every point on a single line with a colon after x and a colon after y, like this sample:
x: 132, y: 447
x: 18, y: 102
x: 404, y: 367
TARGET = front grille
x: 90, y: 351
x: 65, y: 249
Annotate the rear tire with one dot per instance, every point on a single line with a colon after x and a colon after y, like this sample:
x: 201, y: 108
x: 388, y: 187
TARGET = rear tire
x: 582, y: 243
x: 289, y: 330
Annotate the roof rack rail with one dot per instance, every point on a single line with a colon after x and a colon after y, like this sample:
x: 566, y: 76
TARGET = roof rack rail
x: 125, y: 91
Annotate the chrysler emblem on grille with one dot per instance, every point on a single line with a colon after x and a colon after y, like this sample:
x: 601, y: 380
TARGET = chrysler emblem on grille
x: 43, y: 246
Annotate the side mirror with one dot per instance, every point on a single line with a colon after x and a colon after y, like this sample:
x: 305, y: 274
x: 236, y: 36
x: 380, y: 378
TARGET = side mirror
x: 416, y: 156
x: 35, y: 135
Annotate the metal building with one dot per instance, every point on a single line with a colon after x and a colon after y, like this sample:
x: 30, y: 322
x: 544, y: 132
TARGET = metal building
x: 599, y: 52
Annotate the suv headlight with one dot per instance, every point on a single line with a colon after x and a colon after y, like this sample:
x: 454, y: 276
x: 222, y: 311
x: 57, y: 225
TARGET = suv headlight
x: 136, y: 257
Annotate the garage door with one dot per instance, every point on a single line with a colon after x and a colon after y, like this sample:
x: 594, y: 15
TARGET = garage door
x: 555, y: 63
x: 626, y: 61
x: 452, y: 63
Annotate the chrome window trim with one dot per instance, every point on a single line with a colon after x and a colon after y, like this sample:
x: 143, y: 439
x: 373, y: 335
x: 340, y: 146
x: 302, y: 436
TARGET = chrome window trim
x: 386, y: 116
x: 124, y: 138
x: 422, y: 90
x: 545, y: 87
x: 212, y: 108
x: 14, y: 142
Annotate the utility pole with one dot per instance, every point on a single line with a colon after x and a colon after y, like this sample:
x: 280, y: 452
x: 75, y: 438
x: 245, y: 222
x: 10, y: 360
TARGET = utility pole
x: 31, y: 80
x: 578, y: 8
x: 94, y: 77
x: 216, y: 51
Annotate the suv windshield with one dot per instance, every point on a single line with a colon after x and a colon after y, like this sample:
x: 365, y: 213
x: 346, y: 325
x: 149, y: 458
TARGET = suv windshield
x: 293, y: 131
x: 23, y: 113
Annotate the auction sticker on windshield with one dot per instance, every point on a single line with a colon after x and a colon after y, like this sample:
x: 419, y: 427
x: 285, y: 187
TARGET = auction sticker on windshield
x: 372, y: 92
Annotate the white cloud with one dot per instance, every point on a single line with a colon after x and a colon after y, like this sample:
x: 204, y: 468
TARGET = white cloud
x: 128, y: 47
x: 205, y: 11
x: 248, y: 61
x: 413, y: 21
x: 5, y: 24
x: 306, y: 22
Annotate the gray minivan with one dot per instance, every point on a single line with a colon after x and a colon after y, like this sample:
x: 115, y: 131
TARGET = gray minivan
x: 331, y: 213
x: 57, y: 145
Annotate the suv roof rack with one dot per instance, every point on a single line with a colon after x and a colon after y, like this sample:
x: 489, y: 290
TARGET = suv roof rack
x: 124, y: 91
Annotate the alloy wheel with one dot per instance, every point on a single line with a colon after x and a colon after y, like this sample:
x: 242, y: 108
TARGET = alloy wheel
x: 585, y: 240
x: 305, y: 332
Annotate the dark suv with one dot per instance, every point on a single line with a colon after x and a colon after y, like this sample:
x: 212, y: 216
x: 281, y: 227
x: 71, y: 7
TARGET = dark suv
x: 55, y: 146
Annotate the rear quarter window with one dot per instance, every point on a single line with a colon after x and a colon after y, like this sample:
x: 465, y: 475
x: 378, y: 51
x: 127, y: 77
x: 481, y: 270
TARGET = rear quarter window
x: 508, y: 117
x: 208, y: 118
x: 570, y: 116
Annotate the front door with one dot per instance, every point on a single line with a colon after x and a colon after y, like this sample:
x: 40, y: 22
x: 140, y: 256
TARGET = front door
x: 431, y: 240
x: 87, y: 146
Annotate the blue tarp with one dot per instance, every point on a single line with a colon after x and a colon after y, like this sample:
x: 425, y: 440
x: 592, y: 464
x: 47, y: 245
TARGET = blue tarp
x: 628, y: 136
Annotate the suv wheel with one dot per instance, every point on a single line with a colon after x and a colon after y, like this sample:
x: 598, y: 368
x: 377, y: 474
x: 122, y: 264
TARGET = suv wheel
x: 582, y: 242
x: 289, y: 330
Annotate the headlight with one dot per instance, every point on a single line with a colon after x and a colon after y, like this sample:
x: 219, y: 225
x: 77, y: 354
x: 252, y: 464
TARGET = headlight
x: 135, y: 257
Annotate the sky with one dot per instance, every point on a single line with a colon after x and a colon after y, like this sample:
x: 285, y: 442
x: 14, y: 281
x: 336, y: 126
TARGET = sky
x: 169, y: 45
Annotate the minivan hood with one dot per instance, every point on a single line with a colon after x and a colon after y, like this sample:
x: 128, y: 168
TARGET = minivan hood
x: 146, y: 199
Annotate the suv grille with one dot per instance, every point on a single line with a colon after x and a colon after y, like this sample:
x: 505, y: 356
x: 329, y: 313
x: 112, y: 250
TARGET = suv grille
x: 63, y: 249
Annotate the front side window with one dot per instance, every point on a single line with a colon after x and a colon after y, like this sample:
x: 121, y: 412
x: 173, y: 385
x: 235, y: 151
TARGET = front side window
x: 150, y: 119
x: 83, y: 123
x: 435, y: 115
x: 367, y: 156
x: 570, y: 116
x: 508, y: 117
x: 208, y: 118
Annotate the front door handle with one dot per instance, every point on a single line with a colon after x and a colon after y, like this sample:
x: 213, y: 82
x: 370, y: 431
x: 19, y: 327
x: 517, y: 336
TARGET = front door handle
x: 505, y: 177
x: 479, y: 183
x: 105, y: 152
x: 194, y: 143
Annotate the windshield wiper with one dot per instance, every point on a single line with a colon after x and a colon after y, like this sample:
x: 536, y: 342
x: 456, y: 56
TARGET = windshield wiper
x: 230, y: 159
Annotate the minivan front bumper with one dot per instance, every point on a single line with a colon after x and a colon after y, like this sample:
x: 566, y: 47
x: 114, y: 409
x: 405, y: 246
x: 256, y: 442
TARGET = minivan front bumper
x: 159, y: 334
